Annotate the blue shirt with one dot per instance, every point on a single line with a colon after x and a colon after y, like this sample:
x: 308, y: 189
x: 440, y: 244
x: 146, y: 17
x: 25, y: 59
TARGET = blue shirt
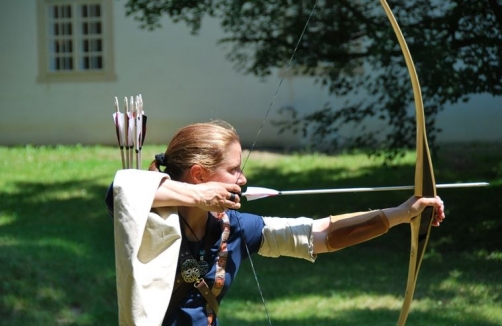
x: 244, y: 229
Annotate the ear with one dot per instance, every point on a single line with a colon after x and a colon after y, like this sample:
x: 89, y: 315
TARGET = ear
x: 198, y: 174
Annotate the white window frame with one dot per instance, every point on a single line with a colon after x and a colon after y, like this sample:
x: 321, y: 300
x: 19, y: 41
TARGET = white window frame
x: 75, y: 41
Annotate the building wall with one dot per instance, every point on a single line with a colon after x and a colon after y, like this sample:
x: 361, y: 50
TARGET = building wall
x: 182, y: 79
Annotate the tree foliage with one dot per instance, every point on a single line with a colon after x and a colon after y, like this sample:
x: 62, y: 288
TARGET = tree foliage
x: 350, y: 48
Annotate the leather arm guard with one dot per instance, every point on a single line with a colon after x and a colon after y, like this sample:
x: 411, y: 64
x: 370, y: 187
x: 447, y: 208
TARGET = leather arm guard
x: 353, y: 228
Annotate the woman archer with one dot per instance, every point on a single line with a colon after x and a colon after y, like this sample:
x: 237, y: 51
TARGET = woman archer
x: 180, y: 239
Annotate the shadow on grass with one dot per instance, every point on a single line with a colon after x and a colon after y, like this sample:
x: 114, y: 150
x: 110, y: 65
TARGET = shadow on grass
x: 57, y: 255
x: 58, y: 259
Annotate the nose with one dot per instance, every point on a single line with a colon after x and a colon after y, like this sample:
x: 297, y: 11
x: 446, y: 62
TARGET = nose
x: 242, y: 180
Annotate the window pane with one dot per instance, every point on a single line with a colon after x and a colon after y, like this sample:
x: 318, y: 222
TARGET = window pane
x: 92, y: 62
x: 98, y: 45
x: 70, y: 63
x: 95, y: 10
x: 94, y: 28
x: 55, y: 64
x: 67, y: 10
x: 69, y: 46
x: 96, y: 62
x: 55, y: 46
x: 90, y: 11
x: 61, y: 63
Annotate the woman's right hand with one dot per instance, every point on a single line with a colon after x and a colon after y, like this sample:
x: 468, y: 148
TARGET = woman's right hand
x: 209, y: 196
x: 217, y: 196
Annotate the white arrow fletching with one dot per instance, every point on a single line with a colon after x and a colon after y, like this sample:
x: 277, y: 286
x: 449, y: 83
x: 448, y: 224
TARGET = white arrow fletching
x: 253, y: 193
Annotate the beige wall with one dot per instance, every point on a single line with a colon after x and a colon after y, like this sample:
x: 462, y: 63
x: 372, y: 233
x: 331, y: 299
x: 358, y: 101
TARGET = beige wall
x: 182, y: 78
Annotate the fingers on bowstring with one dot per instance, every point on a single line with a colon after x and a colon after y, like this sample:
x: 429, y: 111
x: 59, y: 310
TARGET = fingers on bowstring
x: 234, y: 197
x: 234, y: 188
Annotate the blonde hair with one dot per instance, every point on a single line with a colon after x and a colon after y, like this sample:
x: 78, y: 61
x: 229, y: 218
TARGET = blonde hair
x: 204, y: 144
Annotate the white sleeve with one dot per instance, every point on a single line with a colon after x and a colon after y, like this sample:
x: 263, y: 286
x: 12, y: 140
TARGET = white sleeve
x: 146, y: 248
x: 288, y: 237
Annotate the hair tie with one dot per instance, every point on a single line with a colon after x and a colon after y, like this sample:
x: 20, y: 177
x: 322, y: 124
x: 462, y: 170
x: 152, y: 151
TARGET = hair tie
x: 160, y: 160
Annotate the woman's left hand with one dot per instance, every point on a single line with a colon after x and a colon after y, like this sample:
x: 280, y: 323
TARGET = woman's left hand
x: 415, y: 206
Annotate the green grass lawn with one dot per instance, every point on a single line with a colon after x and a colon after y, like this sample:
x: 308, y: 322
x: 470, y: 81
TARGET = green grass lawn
x: 57, y: 256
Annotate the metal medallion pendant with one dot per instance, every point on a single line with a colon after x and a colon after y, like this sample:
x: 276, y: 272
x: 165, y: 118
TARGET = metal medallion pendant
x: 203, y: 267
x: 190, y: 270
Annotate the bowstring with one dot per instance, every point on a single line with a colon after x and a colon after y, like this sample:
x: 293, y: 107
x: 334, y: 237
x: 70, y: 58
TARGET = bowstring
x: 279, y: 86
x: 254, y: 144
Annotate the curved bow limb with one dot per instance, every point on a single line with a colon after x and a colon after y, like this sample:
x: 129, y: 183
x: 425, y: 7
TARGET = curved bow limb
x: 424, y: 176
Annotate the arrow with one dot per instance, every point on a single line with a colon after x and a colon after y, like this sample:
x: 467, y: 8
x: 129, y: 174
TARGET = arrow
x: 127, y: 136
x: 143, y: 119
x: 253, y: 193
x: 131, y: 130
x: 137, y: 129
x: 118, y: 118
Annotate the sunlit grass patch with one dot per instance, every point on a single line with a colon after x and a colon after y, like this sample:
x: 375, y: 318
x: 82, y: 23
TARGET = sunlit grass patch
x: 57, y: 262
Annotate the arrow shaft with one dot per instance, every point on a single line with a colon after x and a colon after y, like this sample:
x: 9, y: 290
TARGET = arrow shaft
x: 366, y: 189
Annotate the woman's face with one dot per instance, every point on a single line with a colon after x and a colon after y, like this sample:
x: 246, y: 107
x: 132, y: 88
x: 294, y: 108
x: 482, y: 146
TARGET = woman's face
x: 229, y: 171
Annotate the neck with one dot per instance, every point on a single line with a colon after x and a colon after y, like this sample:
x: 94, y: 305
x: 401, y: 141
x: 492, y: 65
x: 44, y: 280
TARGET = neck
x: 196, y: 220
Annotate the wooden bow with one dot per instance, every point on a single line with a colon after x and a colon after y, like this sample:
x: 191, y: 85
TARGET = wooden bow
x: 425, y: 184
